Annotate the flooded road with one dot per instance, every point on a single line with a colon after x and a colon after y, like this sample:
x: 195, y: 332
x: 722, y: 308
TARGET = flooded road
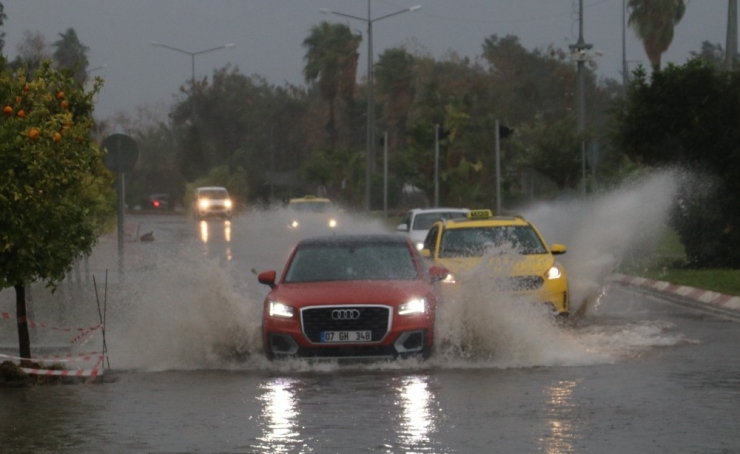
x: 632, y: 374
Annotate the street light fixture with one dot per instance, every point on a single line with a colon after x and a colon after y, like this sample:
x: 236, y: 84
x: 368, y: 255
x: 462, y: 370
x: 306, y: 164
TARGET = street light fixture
x: 192, y: 54
x: 370, y: 151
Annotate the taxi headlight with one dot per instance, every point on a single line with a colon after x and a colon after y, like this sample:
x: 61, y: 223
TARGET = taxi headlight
x: 554, y: 272
x: 203, y: 203
x: 332, y: 223
x: 227, y: 203
x: 278, y: 309
x: 294, y: 224
x: 414, y: 306
x: 419, y: 246
x: 449, y: 279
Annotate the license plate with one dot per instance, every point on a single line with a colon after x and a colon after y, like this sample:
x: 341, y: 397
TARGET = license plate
x: 346, y: 336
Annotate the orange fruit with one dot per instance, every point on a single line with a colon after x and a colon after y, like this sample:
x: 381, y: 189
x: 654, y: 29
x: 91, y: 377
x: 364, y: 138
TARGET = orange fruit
x: 7, y: 111
x: 26, y: 88
x: 80, y: 138
x: 18, y: 99
x: 34, y: 134
x: 21, y: 114
x: 65, y: 104
x: 60, y: 95
x: 56, y: 136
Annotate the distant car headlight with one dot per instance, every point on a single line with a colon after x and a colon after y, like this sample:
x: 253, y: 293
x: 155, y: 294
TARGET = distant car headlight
x: 414, y: 306
x: 449, y: 279
x: 227, y: 203
x: 294, y: 224
x: 204, y: 203
x: 419, y: 246
x: 278, y: 309
x: 554, y: 272
x: 332, y: 223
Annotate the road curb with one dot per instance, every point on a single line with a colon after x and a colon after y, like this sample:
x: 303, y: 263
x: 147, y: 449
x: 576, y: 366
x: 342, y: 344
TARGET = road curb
x: 727, y: 302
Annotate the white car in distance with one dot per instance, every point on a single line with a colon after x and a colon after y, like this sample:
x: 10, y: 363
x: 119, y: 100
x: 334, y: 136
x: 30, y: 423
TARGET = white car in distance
x: 417, y: 221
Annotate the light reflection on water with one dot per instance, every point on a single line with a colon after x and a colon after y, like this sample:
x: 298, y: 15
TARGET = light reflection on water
x: 560, y: 425
x: 208, y: 232
x: 279, y: 411
x: 418, y: 420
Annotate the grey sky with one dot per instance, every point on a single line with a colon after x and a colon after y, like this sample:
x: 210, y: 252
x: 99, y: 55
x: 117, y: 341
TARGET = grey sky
x: 268, y: 35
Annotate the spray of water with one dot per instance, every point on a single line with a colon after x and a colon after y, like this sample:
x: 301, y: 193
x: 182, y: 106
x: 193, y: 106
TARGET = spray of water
x: 191, y: 310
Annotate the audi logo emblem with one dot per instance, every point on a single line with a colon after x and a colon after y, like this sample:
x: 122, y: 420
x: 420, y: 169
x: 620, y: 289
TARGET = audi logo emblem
x: 345, y: 314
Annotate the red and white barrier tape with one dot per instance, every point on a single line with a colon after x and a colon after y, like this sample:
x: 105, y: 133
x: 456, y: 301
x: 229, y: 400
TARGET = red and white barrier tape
x: 64, y: 373
x: 58, y: 359
x: 44, y: 325
x: 83, y: 334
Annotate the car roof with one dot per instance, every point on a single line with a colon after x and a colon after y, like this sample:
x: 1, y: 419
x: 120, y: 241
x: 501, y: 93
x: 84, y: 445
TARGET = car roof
x: 377, y: 238
x: 495, y: 221
x: 310, y: 198
x: 439, y: 210
x: 212, y: 188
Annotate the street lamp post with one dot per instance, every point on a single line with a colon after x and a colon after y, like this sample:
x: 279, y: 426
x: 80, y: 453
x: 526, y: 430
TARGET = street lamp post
x: 370, y: 150
x: 193, y: 54
x: 579, y: 53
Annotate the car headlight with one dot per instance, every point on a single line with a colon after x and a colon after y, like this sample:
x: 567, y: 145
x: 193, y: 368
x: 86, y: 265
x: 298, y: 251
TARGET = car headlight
x: 419, y: 246
x: 278, y: 309
x: 414, y: 306
x: 332, y: 223
x: 203, y: 203
x: 554, y: 272
x: 294, y: 224
x: 227, y: 203
x: 449, y: 279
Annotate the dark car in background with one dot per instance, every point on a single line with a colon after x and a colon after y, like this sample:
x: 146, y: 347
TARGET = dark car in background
x: 160, y: 201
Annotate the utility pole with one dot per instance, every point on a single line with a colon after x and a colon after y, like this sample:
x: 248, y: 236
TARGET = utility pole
x: 625, y: 69
x: 578, y: 51
x: 731, y: 46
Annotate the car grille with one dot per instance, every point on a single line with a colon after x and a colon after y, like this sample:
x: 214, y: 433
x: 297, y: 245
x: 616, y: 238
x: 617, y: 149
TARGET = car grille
x: 523, y: 283
x: 372, y: 318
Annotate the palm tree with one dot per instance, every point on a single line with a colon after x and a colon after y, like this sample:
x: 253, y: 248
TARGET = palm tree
x: 71, y: 54
x: 654, y: 22
x: 331, y: 58
x: 395, y: 81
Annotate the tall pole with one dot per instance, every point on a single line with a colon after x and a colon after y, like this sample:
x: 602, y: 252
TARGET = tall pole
x: 385, y: 176
x: 625, y: 70
x: 436, y: 165
x: 370, y: 146
x: 731, y: 46
x: 579, y: 51
x: 498, y: 169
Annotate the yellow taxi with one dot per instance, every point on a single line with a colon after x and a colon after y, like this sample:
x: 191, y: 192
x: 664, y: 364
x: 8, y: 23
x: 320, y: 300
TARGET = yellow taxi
x: 312, y: 210
x: 519, y: 259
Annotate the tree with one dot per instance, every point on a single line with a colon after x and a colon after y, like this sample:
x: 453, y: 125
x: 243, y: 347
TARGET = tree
x: 394, y: 75
x: 654, y: 22
x: 71, y: 54
x: 55, y: 193
x: 688, y: 116
x: 331, y: 56
x: 32, y: 50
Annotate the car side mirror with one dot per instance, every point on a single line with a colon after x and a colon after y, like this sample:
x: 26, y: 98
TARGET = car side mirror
x: 267, y: 278
x: 426, y: 253
x: 438, y: 273
x: 558, y: 249
x: 402, y: 228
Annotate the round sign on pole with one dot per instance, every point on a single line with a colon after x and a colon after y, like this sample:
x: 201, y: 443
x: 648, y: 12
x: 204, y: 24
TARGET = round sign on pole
x: 121, y: 152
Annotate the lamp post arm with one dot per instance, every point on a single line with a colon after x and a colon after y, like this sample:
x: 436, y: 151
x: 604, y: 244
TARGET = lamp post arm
x: 155, y: 44
x: 225, y: 46
x: 325, y: 11
x: 413, y: 8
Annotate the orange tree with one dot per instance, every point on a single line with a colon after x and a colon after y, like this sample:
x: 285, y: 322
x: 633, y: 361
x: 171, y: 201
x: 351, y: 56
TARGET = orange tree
x: 55, y: 193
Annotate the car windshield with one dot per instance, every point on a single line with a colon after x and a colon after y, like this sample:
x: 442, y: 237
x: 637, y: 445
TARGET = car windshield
x: 423, y: 221
x: 351, y: 262
x: 474, y: 242
x: 311, y: 207
x: 213, y: 193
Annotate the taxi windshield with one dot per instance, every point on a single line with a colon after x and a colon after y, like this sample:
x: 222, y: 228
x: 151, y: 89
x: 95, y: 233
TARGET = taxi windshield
x: 474, y: 242
x: 311, y: 207
x: 423, y: 221
x: 214, y: 193
x: 351, y: 262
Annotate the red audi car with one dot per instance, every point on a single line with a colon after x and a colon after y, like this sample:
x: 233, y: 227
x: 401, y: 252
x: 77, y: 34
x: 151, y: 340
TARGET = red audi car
x: 351, y: 296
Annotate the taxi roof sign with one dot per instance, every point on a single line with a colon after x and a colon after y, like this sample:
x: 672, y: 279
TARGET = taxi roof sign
x: 476, y: 215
